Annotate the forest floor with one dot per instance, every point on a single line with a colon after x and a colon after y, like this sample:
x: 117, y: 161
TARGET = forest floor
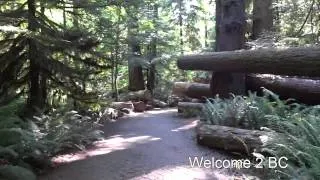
x: 152, y: 145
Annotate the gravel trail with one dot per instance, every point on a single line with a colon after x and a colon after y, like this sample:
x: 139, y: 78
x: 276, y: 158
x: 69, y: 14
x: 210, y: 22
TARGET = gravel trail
x: 155, y: 145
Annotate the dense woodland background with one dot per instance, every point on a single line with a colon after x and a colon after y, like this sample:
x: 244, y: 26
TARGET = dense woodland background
x: 62, y: 55
x: 67, y: 52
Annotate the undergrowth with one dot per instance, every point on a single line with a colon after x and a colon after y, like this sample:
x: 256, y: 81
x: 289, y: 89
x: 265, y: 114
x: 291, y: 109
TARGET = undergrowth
x: 298, y: 127
x: 26, y: 145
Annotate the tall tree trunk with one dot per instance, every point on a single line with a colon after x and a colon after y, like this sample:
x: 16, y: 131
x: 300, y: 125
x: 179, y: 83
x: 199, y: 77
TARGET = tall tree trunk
x: 43, y: 74
x: 153, y: 54
x: 277, y: 16
x: 262, y: 17
x: 64, y: 14
x: 136, y: 79
x: 37, y: 96
x: 75, y: 19
x: 116, y: 65
x: 76, y: 3
x: 230, y: 24
x: 206, y: 45
x: 181, y: 26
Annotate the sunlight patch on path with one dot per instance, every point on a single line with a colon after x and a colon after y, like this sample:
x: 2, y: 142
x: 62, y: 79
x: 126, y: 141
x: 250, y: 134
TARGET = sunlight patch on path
x: 183, y: 172
x: 114, y: 143
x: 186, y: 127
x: 161, y: 111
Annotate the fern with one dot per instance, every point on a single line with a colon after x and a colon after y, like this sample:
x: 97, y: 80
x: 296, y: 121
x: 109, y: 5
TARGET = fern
x: 298, y: 123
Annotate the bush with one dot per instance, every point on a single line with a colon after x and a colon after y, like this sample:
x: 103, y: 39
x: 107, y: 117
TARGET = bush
x: 27, y: 145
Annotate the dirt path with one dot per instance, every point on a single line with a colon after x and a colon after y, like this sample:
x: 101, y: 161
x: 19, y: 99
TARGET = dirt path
x: 155, y: 145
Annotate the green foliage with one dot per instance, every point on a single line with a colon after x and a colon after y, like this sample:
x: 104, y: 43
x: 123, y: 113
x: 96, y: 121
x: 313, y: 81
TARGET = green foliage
x: 252, y: 112
x: 27, y: 145
x: 301, y: 144
x: 9, y: 172
x: 298, y: 123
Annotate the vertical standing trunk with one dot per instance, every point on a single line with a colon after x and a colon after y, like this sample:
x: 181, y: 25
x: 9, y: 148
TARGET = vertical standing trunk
x: 262, y: 17
x: 230, y: 25
x: 136, y: 79
x: 116, y: 64
x: 206, y: 45
x: 64, y: 14
x: 75, y: 4
x: 43, y: 75
x: 276, y: 16
x: 181, y: 26
x: 36, y: 99
x: 153, y: 54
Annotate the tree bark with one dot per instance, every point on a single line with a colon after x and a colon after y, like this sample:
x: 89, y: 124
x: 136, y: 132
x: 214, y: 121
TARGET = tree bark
x: 192, y: 90
x: 136, y: 79
x: 153, y: 54
x: 303, y: 90
x: 231, y: 139
x: 181, y: 9
x: 230, y: 29
x: 262, y: 17
x: 291, y: 61
x: 37, y: 94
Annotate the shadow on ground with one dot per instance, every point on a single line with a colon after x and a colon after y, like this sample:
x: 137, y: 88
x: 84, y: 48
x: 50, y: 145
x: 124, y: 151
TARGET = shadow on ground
x: 154, y: 145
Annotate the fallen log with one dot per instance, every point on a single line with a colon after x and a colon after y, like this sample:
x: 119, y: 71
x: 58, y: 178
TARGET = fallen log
x: 189, y: 106
x: 122, y: 105
x: 231, y: 139
x: 159, y: 104
x: 303, y: 90
x: 291, y: 61
x: 192, y: 90
x: 142, y: 95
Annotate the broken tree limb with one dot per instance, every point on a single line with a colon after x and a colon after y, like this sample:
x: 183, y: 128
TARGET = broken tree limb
x: 192, y: 90
x: 189, y: 106
x: 291, y: 61
x: 231, y: 139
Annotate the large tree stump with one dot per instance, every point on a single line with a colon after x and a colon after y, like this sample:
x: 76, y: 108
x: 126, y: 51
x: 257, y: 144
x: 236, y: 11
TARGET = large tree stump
x: 232, y: 139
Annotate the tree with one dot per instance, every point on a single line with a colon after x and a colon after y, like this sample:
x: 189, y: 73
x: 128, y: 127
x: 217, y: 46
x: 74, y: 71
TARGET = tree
x: 36, y: 53
x: 262, y: 17
x: 136, y: 78
x: 230, y: 34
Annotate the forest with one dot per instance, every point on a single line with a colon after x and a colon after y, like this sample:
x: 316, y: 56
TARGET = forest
x: 77, y: 75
